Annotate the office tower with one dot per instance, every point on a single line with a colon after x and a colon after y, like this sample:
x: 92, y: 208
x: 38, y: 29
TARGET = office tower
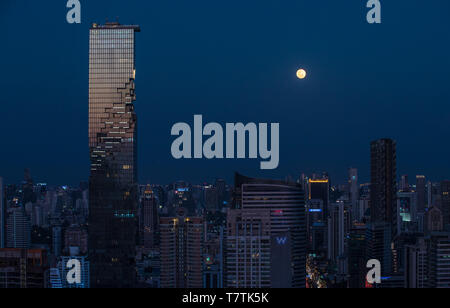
x: 57, y: 240
x: 439, y: 261
x: 54, y: 279
x: 75, y: 237
x: 64, y: 271
x: 353, y: 188
x: 339, y: 223
x: 18, y: 229
x: 445, y: 201
x: 113, y: 196
x: 416, y: 264
x: 211, y: 198
x: 338, y: 228
x: 2, y: 216
x: 221, y: 188
x: 429, y: 194
x: 181, y: 251
x: 383, y: 182
x: 180, y: 195
x: 22, y: 268
x: 406, y: 211
x: 213, y: 259
x: 383, y: 209
x: 404, y: 184
x: 28, y: 194
x: 266, y: 235
x: 316, y: 227
x: 356, y: 256
x: 149, y: 219
x: 434, y: 220
x: 378, y: 246
x: 420, y: 189
x: 248, y: 245
x: 320, y: 189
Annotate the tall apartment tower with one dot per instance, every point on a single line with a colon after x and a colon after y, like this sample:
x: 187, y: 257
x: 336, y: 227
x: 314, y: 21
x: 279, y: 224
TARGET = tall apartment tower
x: 383, y: 188
x: 2, y: 216
x: 112, y: 140
x: 181, y: 251
x: 266, y: 235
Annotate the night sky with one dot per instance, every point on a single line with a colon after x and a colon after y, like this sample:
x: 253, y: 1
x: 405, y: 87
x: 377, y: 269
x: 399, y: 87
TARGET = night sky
x: 233, y: 61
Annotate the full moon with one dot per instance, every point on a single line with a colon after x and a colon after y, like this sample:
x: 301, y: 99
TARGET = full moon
x: 301, y: 74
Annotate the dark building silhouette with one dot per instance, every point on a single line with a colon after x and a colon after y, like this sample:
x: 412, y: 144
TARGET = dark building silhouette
x: 113, y: 195
x: 421, y: 196
x: 383, y: 188
x: 383, y: 209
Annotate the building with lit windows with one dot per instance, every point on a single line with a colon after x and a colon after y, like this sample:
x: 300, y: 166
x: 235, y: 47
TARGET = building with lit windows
x: 266, y: 235
x: 181, y: 251
x: 113, y: 196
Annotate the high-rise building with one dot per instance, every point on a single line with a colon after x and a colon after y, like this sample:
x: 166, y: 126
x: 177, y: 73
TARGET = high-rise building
x: 181, y: 251
x: 221, y: 188
x: 416, y: 264
x: 406, y: 211
x: 383, y: 205
x: 248, y: 249
x: 433, y: 220
x: 445, y: 201
x: 57, y: 240
x: 356, y: 256
x: 378, y: 246
x: 54, y: 279
x: 272, y: 214
x: 353, y: 188
x: 439, y: 261
x: 319, y: 189
x: 149, y: 219
x: 338, y: 229
x: 383, y: 190
x: 2, y: 216
x: 420, y: 189
x: 404, y: 184
x: 75, y: 237
x: 22, y: 268
x: 18, y: 229
x: 113, y: 153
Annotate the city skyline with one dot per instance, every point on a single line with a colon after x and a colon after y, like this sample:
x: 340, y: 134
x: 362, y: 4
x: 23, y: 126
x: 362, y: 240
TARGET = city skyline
x: 326, y: 121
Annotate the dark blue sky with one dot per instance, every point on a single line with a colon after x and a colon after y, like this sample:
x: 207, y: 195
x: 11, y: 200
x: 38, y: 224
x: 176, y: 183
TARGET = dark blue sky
x: 233, y: 61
